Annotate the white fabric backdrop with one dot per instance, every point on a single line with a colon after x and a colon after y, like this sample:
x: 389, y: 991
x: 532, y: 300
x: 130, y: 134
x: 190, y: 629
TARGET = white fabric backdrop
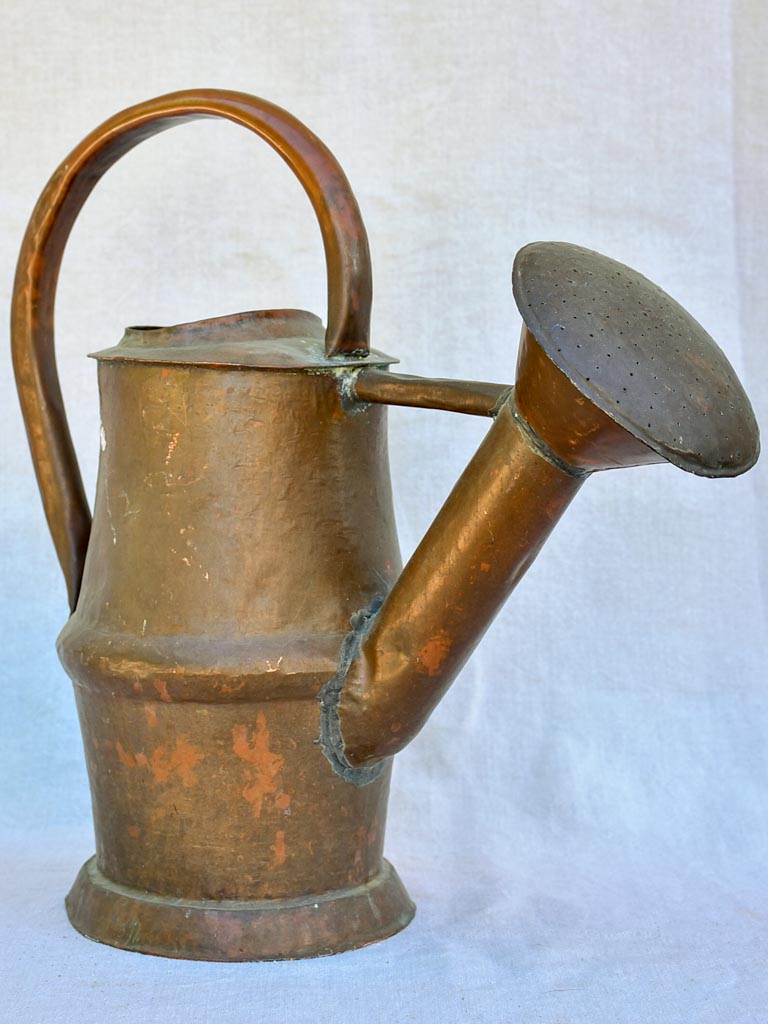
x: 584, y: 823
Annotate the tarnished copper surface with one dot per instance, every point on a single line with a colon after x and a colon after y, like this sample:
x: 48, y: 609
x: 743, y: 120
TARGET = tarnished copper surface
x: 247, y: 654
x: 240, y: 519
x: 316, y: 925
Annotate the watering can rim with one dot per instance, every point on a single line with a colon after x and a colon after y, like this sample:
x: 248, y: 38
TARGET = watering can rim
x: 270, y: 339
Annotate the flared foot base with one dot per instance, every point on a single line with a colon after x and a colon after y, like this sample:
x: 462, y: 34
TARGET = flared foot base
x: 231, y: 930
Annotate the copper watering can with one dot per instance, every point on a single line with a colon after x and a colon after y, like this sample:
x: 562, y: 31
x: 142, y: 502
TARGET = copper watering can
x: 246, y: 651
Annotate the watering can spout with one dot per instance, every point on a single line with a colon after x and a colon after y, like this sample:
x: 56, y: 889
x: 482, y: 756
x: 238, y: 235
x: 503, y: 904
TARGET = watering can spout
x: 611, y: 373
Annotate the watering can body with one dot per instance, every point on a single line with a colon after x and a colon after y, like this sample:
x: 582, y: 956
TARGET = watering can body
x: 246, y: 649
x: 241, y: 518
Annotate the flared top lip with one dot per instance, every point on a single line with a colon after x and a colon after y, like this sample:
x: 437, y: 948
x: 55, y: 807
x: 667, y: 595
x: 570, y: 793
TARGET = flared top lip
x: 270, y: 339
x: 638, y: 355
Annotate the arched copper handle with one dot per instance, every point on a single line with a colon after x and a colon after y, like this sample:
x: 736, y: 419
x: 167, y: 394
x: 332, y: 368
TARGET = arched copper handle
x: 346, y: 251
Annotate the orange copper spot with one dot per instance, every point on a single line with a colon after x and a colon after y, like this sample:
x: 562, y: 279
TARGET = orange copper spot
x: 279, y: 849
x: 125, y: 756
x: 134, y: 831
x: 283, y: 801
x: 485, y: 566
x: 141, y: 760
x: 163, y: 763
x: 434, y: 652
x: 162, y: 688
x: 226, y: 688
x: 137, y: 687
x: 149, y: 711
x: 164, y: 372
x: 263, y: 774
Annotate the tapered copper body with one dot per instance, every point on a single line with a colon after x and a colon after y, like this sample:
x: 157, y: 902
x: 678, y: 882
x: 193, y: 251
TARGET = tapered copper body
x: 230, y: 519
x: 246, y: 652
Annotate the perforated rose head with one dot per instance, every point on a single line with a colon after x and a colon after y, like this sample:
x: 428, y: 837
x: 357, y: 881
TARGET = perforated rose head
x: 638, y: 356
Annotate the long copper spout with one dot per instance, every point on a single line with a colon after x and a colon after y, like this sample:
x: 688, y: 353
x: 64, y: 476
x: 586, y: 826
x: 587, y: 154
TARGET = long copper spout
x: 611, y: 373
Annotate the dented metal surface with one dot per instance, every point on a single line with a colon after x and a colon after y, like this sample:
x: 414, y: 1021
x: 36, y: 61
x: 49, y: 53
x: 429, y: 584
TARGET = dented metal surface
x: 246, y: 650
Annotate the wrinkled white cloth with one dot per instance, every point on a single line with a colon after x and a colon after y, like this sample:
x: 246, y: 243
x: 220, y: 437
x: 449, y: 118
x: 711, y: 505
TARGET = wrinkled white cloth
x: 584, y: 822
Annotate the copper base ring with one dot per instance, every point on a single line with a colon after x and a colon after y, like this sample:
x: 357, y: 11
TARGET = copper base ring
x: 234, y: 930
